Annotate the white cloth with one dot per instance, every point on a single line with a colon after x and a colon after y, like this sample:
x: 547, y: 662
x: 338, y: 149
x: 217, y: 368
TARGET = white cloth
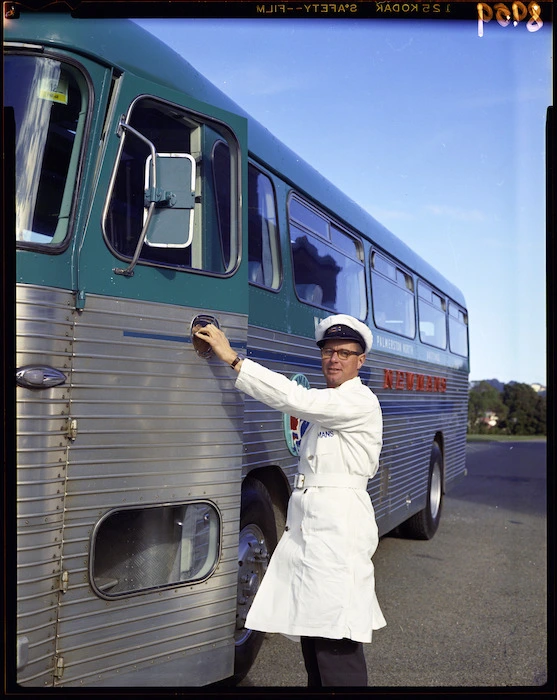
x: 320, y: 580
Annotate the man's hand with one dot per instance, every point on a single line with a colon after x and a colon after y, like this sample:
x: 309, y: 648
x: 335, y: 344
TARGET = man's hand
x: 219, y: 343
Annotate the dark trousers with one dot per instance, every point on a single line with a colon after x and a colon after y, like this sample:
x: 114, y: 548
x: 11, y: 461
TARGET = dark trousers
x: 334, y: 662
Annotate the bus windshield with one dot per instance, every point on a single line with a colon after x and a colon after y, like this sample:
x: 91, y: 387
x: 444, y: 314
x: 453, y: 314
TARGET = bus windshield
x: 49, y: 99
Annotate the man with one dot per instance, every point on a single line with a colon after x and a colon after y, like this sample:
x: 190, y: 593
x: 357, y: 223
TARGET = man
x: 320, y: 584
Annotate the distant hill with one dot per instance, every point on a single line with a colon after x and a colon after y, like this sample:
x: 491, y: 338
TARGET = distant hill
x: 494, y: 383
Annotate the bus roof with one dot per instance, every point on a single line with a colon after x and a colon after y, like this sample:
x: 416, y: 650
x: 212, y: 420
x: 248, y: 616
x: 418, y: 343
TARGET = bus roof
x: 125, y: 45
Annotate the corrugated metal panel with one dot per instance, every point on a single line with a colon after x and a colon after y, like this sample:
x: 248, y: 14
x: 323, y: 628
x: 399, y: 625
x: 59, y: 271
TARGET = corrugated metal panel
x: 411, y: 421
x: 44, y: 337
x: 156, y: 424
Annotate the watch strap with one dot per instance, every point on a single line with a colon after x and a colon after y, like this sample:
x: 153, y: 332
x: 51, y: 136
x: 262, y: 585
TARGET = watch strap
x: 234, y: 362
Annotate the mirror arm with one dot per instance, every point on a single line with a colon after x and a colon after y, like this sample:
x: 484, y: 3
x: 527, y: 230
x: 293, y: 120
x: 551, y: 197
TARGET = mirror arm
x: 128, y: 271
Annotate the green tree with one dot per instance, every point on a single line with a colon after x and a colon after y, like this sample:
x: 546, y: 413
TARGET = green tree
x: 526, y: 410
x: 483, y: 398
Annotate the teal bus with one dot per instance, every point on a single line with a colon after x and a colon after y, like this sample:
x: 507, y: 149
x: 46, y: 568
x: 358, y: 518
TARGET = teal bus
x: 151, y: 493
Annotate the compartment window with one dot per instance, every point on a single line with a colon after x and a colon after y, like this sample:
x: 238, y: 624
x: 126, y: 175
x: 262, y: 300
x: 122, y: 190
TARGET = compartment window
x: 392, y: 292
x: 327, y: 261
x: 140, y: 549
x: 432, y: 316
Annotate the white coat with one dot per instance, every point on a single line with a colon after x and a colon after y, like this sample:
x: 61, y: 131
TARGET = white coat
x: 320, y: 580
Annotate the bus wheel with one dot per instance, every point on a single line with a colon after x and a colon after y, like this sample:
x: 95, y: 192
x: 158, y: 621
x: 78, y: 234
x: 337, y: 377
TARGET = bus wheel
x: 258, y: 538
x: 423, y: 525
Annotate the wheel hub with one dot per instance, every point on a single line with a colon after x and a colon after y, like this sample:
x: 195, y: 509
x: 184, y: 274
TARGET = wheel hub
x: 253, y: 559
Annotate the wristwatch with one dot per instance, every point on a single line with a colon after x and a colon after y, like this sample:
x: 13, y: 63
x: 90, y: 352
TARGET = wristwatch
x: 237, y: 359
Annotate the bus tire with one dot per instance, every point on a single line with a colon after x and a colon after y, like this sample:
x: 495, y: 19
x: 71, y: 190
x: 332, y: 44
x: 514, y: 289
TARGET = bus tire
x: 423, y: 525
x: 258, y: 539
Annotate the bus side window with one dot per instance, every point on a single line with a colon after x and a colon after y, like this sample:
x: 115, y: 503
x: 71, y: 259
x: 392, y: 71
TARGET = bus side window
x: 327, y: 262
x: 432, y: 316
x: 392, y: 292
x: 263, y: 245
x: 173, y: 130
x: 50, y: 101
x: 458, y: 330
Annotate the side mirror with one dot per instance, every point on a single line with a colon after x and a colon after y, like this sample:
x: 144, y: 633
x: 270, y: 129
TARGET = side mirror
x: 170, y: 186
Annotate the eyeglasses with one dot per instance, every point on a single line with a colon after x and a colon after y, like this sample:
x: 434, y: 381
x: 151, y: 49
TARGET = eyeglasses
x: 342, y: 354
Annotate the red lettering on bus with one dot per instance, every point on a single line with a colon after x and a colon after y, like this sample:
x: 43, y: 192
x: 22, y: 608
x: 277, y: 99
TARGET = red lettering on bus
x: 411, y: 381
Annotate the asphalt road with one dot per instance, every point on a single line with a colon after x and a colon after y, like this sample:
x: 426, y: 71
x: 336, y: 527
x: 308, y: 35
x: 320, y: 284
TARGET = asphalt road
x: 467, y: 608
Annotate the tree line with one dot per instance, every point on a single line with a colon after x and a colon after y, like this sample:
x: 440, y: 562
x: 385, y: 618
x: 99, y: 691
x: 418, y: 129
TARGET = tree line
x: 515, y: 410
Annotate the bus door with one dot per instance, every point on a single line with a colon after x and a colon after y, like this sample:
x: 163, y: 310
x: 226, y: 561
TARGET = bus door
x: 56, y: 101
x: 154, y: 467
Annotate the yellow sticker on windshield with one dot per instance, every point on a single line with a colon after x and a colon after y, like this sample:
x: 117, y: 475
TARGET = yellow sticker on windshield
x: 55, y: 91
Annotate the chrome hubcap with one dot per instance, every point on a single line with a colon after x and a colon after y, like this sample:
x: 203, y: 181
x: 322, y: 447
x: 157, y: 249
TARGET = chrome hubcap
x: 435, y: 491
x: 253, y: 559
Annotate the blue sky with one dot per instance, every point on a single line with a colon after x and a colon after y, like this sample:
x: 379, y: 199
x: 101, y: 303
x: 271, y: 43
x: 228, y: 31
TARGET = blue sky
x: 436, y: 132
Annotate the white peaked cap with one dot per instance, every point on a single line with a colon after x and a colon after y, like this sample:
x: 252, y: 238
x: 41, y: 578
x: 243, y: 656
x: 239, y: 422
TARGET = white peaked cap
x: 343, y: 327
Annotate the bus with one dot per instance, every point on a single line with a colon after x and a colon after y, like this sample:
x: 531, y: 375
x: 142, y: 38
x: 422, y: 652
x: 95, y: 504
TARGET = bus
x: 150, y: 492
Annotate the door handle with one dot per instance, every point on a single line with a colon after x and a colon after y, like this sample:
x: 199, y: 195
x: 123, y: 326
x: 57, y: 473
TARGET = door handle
x: 39, y: 377
x: 202, y: 348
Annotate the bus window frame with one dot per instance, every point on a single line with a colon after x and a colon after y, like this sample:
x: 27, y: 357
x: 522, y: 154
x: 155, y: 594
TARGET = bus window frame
x: 276, y: 255
x: 398, y: 267
x: 456, y: 319
x: 444, y: 300
x: 81, y: 142
x: 141, y: 507
x: 343, y: 229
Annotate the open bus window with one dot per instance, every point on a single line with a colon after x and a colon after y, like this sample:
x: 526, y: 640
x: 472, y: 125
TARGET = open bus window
x: 328, y: 267
x: 458, y: 330
x: 432, y: 317
x: 50, y: 106
x: 392, y: 292
x: 215, y: 244
x: 139, y: 549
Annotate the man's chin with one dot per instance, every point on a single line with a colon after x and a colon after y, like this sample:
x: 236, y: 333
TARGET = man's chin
x: 334, y: 379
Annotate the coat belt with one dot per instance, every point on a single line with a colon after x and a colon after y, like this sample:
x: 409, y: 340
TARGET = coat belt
x: 347, y: 481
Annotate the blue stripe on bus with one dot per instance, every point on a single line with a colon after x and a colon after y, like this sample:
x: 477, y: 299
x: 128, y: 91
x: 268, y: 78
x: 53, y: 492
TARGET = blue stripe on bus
x: 157, y: 336
x: 285, y: 359
x: 171, y: 338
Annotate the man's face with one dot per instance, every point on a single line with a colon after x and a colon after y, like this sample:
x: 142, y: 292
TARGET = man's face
x: 336, y: 370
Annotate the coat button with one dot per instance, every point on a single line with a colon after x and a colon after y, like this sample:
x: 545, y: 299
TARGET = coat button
x: 286, y: 528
